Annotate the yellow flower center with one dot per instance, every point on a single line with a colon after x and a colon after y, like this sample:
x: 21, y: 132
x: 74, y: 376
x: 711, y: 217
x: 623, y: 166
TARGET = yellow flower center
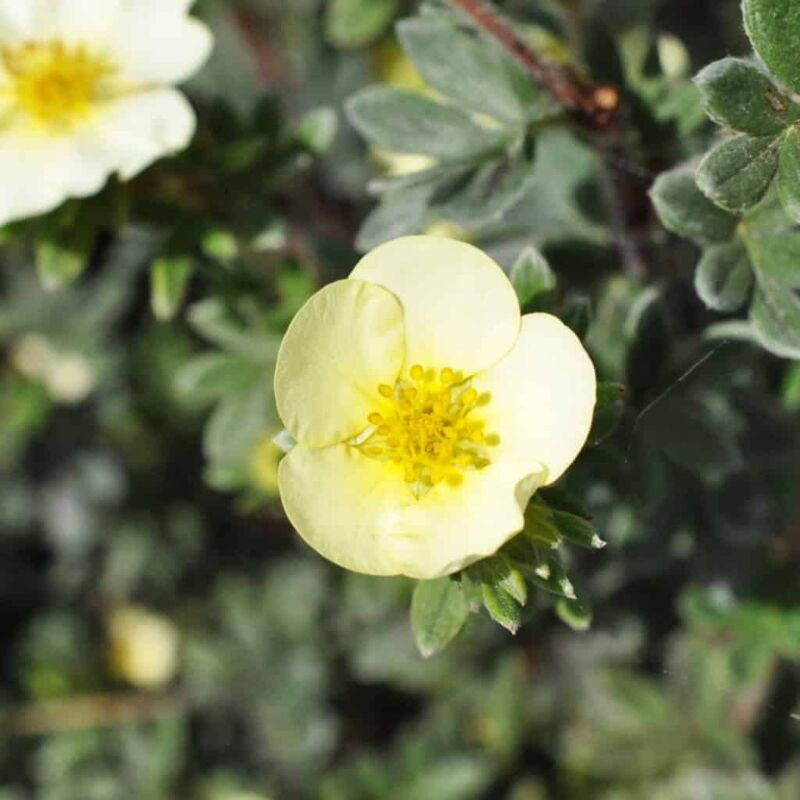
x: 56, y: 83
x: 431, y: 427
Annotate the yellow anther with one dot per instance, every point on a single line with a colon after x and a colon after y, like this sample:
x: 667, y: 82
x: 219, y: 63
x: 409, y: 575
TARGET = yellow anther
x: 56, y: 83
x: 429, y: 430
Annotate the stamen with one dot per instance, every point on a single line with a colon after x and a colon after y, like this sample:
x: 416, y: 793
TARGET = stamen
x: 430, y: 431
x: 57, y: 83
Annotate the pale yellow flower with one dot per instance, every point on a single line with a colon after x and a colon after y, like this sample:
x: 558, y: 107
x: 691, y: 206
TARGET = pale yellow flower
x: 426, y: 410
x: 86, y: 91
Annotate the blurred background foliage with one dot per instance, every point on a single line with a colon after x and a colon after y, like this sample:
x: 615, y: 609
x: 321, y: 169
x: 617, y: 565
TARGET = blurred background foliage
x: 164, y: 632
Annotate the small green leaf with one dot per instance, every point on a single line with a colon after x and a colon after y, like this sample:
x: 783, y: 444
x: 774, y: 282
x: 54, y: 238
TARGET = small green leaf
x: 777, y: 254
x: 577, y: 315
x: 790, y: 391
x: 439, y: 609
x: 607, y: 412
x: 169, y: 280
x: 317, y: 130
x: 398, y: 214
x: 724, y: 278
x: 531, y: 276
x: 577, y: 530
x: 774, y: 28
x: 468, y: 70
x: 214, y: 321
x: 221, y: 245
x: 407, y: 122
x: 574, y: 612
x: 502, y: 607
x: 64, y: 246
x: 487, y: 194
x: 789, y: 174
x: 60, y: 262
x: 738, y: 94
x: 685, y: 210
x: 737, y: 173
x: 775, y: 315
x: 357, y: 23
x: 211, y: 376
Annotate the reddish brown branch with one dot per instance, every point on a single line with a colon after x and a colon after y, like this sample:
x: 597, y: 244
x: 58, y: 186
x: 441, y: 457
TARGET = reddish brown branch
x: 593, y: 106
x: 267, y: 63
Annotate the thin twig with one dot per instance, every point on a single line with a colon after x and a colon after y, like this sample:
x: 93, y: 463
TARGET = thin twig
x: 266, y: 60
x: 593, y: 106
x: 88, y: 712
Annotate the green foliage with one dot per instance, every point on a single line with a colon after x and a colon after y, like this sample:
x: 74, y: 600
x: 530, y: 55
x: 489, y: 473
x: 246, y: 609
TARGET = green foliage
x: 356, y: 23
x: 439, y: 610
x: 739, y: 95
x: 409, y: 123
x: 776, y: 316
x: 475, y: 130
x: 653, y: 590
x: 737, y: 173
x: 789, y: 174
x: 724, y: 277
x: 169, y: 284
x: 531, y: 276
x: 771, y: 24
x: 684, y: 210
x: 470, y: 74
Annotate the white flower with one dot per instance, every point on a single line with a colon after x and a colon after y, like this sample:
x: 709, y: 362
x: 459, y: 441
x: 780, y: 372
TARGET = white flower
x: 86, y: 91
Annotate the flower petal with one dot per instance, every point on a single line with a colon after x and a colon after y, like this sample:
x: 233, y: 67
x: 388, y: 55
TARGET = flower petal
x: 342, y: 344
x: 344, y: 505
x: 452, y: 527
x: 542, y: 396
x: 17, y: 20
x: 40, y: 172
x: 359, y: 513
x: 77, y: 21
x: 460, y: 308
x: 138, y: 129
x: 155, y: 42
